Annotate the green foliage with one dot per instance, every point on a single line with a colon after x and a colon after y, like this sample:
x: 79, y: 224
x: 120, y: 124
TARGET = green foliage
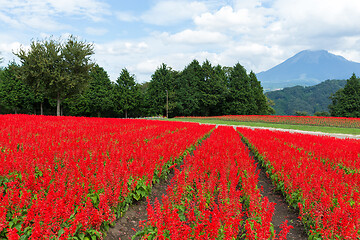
x: 322, y: 114
x: 240, y: 100
x: 56, y: 70
x: 60, y: 74
x: 205, y: 90
x: 262, y: 104
x: 96, y: 100
x: 212, y: 89
x: 162, y: 81
x: 187, y: 86
x: 305, y: 99
x: 301, y: 113
x: 14, y: 95
x: 346, y: 101
x: 126, y: 93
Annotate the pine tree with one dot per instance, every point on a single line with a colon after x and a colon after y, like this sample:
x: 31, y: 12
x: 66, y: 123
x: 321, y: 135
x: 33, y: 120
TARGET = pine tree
x: 346, y: 101
x: 126, y: 93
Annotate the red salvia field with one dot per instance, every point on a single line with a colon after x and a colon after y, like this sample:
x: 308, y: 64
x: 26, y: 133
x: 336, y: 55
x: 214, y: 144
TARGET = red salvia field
x: 317, y: 174
x: 71, y: 178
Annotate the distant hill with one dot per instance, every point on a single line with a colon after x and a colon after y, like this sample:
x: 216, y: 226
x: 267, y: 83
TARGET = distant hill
x: 308, y: 68
x: 305, y: 99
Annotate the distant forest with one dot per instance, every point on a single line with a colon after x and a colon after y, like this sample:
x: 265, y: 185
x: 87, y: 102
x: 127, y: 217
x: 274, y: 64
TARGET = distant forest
x: 300, y: 100
x: 197, y: 90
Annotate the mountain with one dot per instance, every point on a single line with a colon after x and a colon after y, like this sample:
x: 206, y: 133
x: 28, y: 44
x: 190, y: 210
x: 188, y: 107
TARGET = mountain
x: 305, y: 99
x: 308, y: 68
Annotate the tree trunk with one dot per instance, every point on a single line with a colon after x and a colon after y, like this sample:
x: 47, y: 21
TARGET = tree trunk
x: 41, y: 109
x: 15, y: 111
x: 98, y: 114
x: 125, y: 113
x: 58, y: 105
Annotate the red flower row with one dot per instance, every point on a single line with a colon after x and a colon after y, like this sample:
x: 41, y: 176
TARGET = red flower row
x: 328, y: 198
x: 214, y: 195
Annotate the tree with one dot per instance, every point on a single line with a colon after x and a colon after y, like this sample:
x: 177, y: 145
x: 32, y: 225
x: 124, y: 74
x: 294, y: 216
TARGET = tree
x: 262, y: 106
x: 36, y: 70
x: 240, y: 99
x: 61, y: 70
x: 14, y: 95
x: 160, y: 87
x: 99, y: 91
x: 187, y: 90
x: 212, y: 87
x: 346, y: 101
x: 126, y: 93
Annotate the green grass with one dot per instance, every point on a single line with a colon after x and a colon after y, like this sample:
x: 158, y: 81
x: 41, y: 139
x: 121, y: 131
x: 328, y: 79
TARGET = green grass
x: 354, y: 131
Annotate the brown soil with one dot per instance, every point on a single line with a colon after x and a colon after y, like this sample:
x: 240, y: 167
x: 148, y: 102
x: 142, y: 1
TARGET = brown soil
x: 128, y: 225
x: 282, y: 210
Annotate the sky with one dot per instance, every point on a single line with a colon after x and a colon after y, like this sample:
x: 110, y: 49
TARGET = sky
x: 140, y: 35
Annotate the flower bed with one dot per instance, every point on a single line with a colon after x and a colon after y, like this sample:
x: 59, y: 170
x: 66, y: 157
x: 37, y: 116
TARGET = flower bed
x: 67, y: 177
x: 328, y: 198
x: 214, y: 195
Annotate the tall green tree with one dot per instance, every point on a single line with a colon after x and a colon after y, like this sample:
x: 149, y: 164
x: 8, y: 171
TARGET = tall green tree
x: 36, y: 70
x: 61, y: 69
x: 126, y: 93
x: 240, y: 100
x: 160, y: 91
x: 212, y: 88
x: 262, y: 106
x: 99, y: 91
x: 14, y: 94
x: 346, y: 101
x: 187, y: 86
x: 96, y: 99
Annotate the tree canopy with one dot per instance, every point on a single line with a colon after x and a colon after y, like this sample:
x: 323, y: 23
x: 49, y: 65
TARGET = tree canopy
x: 126, y: 93
x: 55, y: 69
x: 346, y: 101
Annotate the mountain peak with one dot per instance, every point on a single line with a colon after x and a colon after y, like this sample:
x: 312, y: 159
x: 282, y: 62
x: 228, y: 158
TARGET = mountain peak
x: 315, y: 56
x: 306, y: 68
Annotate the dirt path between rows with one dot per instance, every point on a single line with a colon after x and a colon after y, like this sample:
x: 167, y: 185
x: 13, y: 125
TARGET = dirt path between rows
x: 282, y: 210
x: 128, y: 225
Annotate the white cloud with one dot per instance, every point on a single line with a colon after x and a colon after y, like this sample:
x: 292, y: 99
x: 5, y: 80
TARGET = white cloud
x: 91, y: 9
x: 195, y: 37
x: 42, y: 15
x: 146, y: 67
x: 226, y: 19
x: 121, y: 48
x: 7, y: 49
x: 173, y: 12
x: 318, y: 18
x: 96, y: 31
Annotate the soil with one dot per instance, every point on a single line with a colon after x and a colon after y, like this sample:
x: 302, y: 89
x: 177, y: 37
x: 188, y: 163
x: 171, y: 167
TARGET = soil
x: 128, y: 225
x: 282, y: 210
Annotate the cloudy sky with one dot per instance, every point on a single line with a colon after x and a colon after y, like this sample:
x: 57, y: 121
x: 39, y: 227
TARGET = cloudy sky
x: 142, y: 34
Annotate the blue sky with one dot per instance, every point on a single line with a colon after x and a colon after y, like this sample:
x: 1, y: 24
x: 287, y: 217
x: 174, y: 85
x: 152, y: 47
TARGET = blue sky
x: 140, y: 35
